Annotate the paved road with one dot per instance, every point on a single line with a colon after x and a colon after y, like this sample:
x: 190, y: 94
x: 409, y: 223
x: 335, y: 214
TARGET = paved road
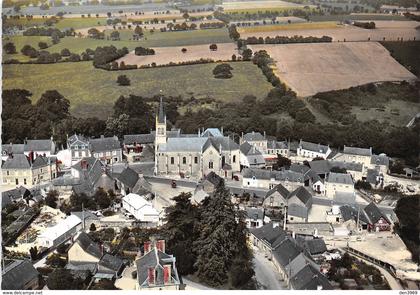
x: 266, y: 274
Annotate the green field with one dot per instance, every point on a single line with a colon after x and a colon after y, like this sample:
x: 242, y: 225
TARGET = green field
x: 93, y: 91
x: 80, y: 23
x: 156, y: 39
x: 406, y: 53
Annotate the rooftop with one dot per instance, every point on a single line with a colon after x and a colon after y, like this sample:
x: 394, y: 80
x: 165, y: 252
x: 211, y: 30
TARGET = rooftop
x: 342, y: 178
x: 357, y: 151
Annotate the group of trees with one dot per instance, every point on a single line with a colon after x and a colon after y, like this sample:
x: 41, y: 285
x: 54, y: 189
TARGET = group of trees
x: 287, y: 40
x: 210, y: 240
x: 123, y: 80
x: 44, y: 57
x: 143, y: 51
x: 95, y: 34
x: 101, y: 199
x: 180, y: 27
x: 223, y: 71
x: 102, y: 56
x: 22, y: 119
x: 212, y: 25
x: 337, y: 104
x: 408, y: 226
x: 365, y: 25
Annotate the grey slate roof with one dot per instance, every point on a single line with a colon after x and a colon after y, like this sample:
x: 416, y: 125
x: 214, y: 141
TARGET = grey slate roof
x: 314, y: 147
x: 274, y: 236
x: 39, y: 162
x: 325, y: 166
x: 273, y: 144
x: 309, y: 278
x: 284, y: 192
x: 213, y: 178
x: 379, y: 160
x: 320, y: 166
x: 139, y: 138
x: 302, y: 194
x: 212, y: 132
x: 313, y: 246
x: 193, y: 144
x: 88, y: 245
x: 82, y: 266
x: 344, y: 197
x: 253, y: 136
x: 155, y: 259
x: 13, y: 148
x: 341, y: 178
x: 17, y: 274
x: 350, y: 212
x: 17, y: 161
x: 75, y: 138
x: 374, y: 213
x: 357, y: 151
x: 128, y: 177
x: 281, y: 175
x: 248, y: 150
x: 254, y: 213
x: 286, y: 252
x: 299, y: 168
x: 39, y: 145
x: 111, y: 262
x: 104, y: 144
x: 198, y: 144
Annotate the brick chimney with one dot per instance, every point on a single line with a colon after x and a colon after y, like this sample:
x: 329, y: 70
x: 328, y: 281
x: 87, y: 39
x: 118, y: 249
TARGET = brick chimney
x: 166, y: 274
x: 147, y: 247
x: 151, y: 275
x: 160, y: 245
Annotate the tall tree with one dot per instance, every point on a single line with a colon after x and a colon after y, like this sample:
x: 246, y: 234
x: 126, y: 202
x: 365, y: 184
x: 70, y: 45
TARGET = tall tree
x: 181, y: 232
x: 217, y: 245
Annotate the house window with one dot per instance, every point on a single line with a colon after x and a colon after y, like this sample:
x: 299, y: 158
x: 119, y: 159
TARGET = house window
x: 160, y: 131
x: 172, y: 160
x: 234, y: 158
x: 17, y: 181
x: 210, y: 165
x: 184, y: 160
x: 24, y: 181
x: 7, y: 172
x: 195, y: 160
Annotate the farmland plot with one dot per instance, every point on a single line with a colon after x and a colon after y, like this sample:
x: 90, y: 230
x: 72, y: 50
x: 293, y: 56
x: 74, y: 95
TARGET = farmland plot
x: 341, y: 32
x: 165, y: 55
x: 312, y: 68
x: 239, y: 5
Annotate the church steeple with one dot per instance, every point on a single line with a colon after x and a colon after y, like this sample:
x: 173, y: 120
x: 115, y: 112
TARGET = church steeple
x: 160, y: 124
x: 161, y: 116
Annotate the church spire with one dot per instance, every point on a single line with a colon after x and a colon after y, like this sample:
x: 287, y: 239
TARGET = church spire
x: 161, y: 114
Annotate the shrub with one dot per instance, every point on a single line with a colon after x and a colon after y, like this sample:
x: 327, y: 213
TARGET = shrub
x: 143, y: 51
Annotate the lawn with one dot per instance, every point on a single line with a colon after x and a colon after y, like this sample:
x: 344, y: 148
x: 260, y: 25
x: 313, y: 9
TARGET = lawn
x: 80, y: 22
x: 295, y: 26
x: 92, y: 92
x: 406, y: 53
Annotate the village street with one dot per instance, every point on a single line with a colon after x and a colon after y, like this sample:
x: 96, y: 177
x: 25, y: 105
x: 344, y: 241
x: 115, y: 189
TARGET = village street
x: 266, y: 274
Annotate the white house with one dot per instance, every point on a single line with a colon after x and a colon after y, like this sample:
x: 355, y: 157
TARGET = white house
x: 141, y: 209
x: 339, y: 186
x: 250, y: 156
x: 312, y: 150
x: 61, y: 232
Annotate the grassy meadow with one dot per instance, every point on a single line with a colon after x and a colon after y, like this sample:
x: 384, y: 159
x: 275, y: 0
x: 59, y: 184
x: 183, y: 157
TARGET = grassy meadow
x: 156, y: 39
x: 93, y: 91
